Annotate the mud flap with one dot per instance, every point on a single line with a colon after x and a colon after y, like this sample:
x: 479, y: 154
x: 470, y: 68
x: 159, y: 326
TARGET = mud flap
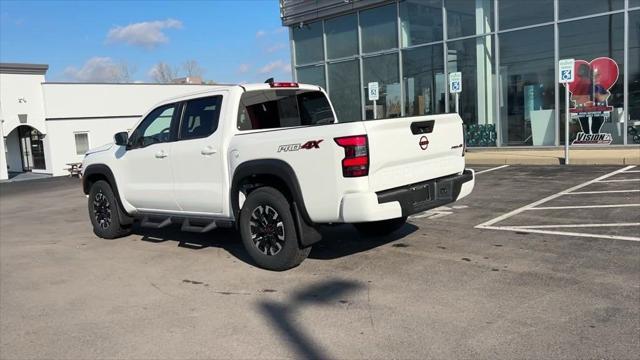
x: 307, y: 234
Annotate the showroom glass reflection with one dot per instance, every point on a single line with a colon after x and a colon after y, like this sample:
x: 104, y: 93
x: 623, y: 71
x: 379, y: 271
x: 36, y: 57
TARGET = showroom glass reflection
x: 508, y: 73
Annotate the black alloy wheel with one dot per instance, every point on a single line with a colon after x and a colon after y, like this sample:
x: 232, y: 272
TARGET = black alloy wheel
x: 267, y: 230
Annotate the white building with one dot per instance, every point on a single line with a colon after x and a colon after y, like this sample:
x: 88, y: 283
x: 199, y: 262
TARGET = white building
x: 47, y: 125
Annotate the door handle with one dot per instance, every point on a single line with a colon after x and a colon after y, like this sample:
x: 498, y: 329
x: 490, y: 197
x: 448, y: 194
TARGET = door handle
x: 208, y: 151
x: 161, y: 154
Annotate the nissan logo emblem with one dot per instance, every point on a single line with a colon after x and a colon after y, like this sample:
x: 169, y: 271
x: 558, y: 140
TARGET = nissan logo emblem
x: 424, y: 143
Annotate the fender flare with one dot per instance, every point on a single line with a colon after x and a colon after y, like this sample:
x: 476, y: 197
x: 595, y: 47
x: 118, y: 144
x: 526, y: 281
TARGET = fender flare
x: 104, y: 170
x: 284, y: 172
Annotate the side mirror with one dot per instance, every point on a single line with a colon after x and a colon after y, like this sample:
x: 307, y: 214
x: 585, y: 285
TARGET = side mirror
x: 121, y: 138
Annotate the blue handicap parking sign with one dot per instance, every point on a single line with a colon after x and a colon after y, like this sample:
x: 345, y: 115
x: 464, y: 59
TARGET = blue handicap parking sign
x: 566, y: 74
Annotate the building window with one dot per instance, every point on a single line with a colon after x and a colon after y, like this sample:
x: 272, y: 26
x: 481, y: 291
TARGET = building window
x: 575, y: 8
x: 82, y: 142
x: 342, y: 36
x: 344, y: 90
x: 517, y: 13
x: 423, y: 80
x: 379, y: 28
x: 527, y: 85
x: 307, y: 40
x: 474, y: 58
x: 420, y: 21
x: 587, y: 40
x: 465, y: 17
x: 311, y: 75
x: 382, y: 69
x: 633, y: 129
x: 634, y: 3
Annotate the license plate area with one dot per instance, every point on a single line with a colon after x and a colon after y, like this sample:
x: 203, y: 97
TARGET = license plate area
x: 420, y: 195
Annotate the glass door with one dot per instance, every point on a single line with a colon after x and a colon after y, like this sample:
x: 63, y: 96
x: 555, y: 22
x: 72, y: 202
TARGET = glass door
x: 31, y: 148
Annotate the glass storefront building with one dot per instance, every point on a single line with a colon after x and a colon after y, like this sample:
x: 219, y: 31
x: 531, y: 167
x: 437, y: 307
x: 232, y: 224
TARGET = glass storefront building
x: 506, y: 50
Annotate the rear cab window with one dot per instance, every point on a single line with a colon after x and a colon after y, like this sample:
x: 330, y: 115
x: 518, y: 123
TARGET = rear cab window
x: 275, y: 108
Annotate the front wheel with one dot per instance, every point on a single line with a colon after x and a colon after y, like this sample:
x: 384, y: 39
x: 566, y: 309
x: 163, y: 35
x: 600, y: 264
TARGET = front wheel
x: 104, y: 212
x: 380, y: 228
x: 268, y: 231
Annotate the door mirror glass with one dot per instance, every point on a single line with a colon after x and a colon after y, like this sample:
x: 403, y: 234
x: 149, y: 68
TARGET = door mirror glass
x: 121, y: 138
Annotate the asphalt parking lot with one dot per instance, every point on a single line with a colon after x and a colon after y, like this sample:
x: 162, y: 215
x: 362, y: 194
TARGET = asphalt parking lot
x: 539, y: 262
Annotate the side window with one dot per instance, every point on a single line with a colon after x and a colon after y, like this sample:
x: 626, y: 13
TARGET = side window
x: 283, y: 108
x: 315, y: 108
x: 155, y: 128
x: 200, y: 117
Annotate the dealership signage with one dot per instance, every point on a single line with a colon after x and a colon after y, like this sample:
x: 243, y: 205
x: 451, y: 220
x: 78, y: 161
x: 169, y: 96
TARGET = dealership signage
x: 589, y: 98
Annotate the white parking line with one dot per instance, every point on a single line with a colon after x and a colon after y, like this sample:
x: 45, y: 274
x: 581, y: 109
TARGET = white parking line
x: 573, y: 225
x: 533, y: 206
x: 583, y: 207
x: 551, y: 197
x: 631, y: 171
x: 621, y: 180
x: 492, y: 169
x: 537, y: 231
x: 600, y: 192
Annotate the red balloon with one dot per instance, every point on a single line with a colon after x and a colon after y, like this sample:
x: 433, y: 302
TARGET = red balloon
x: 605, y: 72
x: 601, y: 71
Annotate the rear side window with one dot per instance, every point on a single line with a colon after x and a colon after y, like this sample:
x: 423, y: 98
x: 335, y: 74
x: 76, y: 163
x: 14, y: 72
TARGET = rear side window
x: 271, y: 109
x: 200, y: 117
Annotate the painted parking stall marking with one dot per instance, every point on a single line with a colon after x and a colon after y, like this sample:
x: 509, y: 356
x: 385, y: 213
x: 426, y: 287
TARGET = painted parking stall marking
x: 547, y: 228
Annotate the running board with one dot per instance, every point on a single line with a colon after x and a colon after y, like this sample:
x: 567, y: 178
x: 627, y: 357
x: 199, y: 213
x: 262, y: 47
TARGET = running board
x: 147, y: 223
x: 187, y: 226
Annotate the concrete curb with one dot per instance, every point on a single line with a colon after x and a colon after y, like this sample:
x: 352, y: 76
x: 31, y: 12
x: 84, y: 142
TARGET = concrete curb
x: 554, y: 157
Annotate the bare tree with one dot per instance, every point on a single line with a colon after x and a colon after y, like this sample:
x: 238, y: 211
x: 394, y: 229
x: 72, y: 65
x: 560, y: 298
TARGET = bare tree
x: 192, y: 68
x: 124, y: 71
x: 163, y: 72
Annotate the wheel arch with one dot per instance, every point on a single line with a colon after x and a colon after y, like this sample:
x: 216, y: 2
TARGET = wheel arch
x: 280, y: 175
x: 97, y: 172
x: 269, y: 172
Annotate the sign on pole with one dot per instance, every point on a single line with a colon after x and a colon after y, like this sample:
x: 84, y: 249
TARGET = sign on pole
x: 565, y: 70
x: 373, y: 91
x: 565, y: 76
x: 455, y: 82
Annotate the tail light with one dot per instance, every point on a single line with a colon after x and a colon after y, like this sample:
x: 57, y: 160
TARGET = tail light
x: 283, y: 84
x: 356, y: 155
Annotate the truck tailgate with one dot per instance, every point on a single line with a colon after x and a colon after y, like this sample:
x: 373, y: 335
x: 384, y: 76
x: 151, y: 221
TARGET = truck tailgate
x: 405, y: 151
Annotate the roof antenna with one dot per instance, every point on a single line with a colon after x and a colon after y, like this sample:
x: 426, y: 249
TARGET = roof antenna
x: 269, y: 80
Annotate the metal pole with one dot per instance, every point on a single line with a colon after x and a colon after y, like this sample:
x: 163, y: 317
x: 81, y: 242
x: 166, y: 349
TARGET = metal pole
x: 457, y: 104
x: 566, y: 125
x: 375, y: 110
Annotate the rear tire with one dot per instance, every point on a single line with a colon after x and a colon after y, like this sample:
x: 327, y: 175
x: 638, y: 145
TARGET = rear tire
x: 268, y: 231
x: 380, y: 228
x: 104, y: 212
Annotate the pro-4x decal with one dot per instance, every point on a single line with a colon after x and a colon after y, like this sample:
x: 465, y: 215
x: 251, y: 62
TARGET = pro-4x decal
x: 312, y: 144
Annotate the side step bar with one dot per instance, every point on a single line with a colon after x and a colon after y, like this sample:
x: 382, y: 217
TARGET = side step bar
x: 187, y: 226
x: 146, y: 222
x: 190, y: 225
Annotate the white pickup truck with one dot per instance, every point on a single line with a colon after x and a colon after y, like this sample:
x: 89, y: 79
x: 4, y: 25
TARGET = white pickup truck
x: 272, y: 160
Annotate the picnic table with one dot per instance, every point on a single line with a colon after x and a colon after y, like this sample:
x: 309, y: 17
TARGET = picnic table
x: 74, y: 169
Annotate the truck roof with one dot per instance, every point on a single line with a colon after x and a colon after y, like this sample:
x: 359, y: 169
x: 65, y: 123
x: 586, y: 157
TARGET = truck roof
x: 243, y: 87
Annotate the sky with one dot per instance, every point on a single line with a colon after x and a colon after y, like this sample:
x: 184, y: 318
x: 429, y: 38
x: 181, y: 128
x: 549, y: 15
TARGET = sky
x: 234, y: 41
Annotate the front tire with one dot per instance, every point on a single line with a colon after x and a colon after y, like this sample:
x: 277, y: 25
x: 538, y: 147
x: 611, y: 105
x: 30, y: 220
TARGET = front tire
x: 104, y: 212
x: 268, y: 231
x: 380, y: 228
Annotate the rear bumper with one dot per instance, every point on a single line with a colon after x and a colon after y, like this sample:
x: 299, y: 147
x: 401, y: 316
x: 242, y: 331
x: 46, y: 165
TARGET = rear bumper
x: 406, y: 200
